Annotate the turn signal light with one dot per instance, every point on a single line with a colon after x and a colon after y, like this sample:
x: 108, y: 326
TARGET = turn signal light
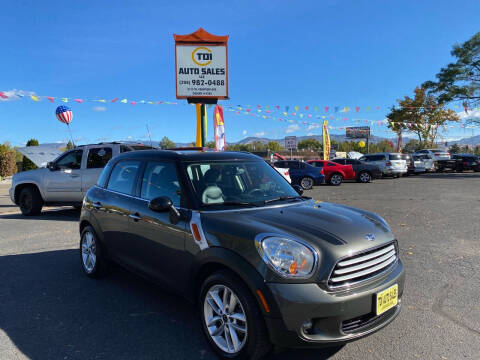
x: 196, y: 232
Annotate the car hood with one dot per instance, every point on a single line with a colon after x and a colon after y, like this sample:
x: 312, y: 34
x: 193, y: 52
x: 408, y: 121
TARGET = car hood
x: 29, y: 175
x: 333, y: 228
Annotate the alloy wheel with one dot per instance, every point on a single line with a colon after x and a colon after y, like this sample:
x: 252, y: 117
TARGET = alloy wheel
x: 89, y: 252
x: 306, y: 183
x: 364, y: 177
x: 225, y: 319
x: 336, y: 179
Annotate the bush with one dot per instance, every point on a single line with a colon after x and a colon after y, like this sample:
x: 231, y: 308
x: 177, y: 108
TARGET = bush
x: 27, y: 164
x: 8, y: 164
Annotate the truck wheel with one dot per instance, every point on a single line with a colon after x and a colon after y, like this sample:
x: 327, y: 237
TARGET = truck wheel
x: 231, y: 319
x: 306, y: 183
x: 364, y: 177
x: 30, y: 201
x: 335, y: 179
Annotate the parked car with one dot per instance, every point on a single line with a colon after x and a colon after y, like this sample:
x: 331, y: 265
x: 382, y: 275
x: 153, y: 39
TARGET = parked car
x: 334, y: 173
x: 302, y: 174
x: 418, y: 164
x: 390, y: 164
x: 435, y: 154
x: 66, y: 179
x: 264, y: 264
x: 466, y: 162
x: 427, y: 161
x: 364, y: 172
x: 284, y: 172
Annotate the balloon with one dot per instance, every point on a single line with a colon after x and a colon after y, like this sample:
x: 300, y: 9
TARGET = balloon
x: 361, y: 144
x: 64, y: 114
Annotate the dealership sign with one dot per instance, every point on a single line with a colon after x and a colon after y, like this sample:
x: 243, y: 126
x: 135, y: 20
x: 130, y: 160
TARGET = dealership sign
x: 201, y: 65
x: 356, y: 132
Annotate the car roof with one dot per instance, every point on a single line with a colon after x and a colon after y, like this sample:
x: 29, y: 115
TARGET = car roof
x: 189, y: 155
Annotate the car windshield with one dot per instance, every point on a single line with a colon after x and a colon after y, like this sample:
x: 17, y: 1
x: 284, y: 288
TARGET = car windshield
x: 238, y: 183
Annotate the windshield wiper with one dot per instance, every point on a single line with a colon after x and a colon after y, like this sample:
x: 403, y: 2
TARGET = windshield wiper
x: 282, y: 198
x: 232, y: 203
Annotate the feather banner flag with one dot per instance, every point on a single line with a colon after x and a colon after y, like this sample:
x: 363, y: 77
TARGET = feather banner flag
x: 326, y: 141
x: 219, y: 128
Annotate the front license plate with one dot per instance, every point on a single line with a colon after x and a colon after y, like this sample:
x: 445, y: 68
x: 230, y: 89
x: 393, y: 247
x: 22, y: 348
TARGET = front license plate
x: 387, y: 299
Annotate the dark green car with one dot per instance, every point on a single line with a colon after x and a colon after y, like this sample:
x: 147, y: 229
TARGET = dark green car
x: 265, y: 264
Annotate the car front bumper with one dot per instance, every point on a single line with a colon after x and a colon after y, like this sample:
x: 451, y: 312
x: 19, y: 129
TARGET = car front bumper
x: 388, y: 171
x: 330, y: 311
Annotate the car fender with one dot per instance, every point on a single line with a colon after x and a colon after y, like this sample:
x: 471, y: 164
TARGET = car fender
x: 226, y: 258
x: 29, y: 182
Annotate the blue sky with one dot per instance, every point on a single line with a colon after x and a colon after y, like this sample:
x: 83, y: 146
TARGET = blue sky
x: 288, y: 53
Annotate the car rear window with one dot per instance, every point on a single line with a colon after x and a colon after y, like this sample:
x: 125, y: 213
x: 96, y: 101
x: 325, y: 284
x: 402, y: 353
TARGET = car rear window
x: 396, y: 157
x: 98, y: 157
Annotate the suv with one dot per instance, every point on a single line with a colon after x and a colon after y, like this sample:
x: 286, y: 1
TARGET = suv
x: 364, y: 172
x: 391, y: 164
x: 66, y: 179
x: 466, y: 162
x: 435, y: 154
x: 264, y: 264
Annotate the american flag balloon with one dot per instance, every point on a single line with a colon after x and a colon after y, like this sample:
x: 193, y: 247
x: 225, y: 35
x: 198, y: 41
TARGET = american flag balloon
x: 64, y: 114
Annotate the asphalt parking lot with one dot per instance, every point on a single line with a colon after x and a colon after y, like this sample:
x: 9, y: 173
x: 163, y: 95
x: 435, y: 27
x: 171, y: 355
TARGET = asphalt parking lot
x: 50, y: 310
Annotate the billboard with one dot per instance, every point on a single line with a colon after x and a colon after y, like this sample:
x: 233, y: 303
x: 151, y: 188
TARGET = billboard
x: 357, y: 132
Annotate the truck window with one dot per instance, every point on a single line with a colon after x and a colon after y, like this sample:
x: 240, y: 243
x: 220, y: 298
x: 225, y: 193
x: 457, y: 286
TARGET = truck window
x: 98, y: 157
x: 71, y: 160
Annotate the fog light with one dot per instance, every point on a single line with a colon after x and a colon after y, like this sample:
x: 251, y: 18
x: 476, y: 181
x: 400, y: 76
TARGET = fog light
x: 307, y: 325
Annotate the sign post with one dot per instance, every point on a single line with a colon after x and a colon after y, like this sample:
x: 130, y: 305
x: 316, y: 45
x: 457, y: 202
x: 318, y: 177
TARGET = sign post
x: 290, y: 144
x: 201, y: 72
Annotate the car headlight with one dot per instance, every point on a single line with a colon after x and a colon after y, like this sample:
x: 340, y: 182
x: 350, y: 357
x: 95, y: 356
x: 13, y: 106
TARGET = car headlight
x: 287, y: 257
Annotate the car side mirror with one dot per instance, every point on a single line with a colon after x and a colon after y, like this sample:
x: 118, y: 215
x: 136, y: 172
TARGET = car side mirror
x: 51, y: 165
x: 298, y: 189
x: 160, y: 204
x: 164, y: 204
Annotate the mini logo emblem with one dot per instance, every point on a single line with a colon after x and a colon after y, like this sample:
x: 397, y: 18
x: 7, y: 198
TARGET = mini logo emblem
x: 370, y: 237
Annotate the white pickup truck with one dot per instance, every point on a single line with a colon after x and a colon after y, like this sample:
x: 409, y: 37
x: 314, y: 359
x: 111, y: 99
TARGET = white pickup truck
x: 66, y: 179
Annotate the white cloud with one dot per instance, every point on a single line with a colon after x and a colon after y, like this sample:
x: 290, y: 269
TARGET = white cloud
x: 292, y: 128
x: 244, y: 132
x: 471, y: 114
x: 15, y: 94
x: 313, y: 126
x: 259, y: 134
x: 99, y: 108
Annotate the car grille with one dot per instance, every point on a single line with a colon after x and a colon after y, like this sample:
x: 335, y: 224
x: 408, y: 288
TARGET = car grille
x: 356, y: 324
x: 363, y: 266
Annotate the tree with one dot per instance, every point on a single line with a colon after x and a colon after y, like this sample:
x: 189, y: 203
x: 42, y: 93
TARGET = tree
x: 454, y: 149
x: 70, y: 145
x: 258, y: 146
x: 460, y: 80
x: 423, y: 114
x: 309, y: 144
x: 238, y: 147
x: 166, y: 143
x: 465, y: 149
x: 477, y: 150
x: 26, y: 163
x: 412, y: 146
x: 396, y: 123
x: 211, y: 144
x: 273, y: 146
x: 8, y: 163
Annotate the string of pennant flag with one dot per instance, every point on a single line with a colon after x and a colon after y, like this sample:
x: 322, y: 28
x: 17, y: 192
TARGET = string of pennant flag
x: 305, y: 116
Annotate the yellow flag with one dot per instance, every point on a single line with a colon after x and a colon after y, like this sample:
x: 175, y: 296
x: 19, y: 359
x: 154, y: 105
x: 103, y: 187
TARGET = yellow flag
x: 34, y: 98
x: 64, y: 99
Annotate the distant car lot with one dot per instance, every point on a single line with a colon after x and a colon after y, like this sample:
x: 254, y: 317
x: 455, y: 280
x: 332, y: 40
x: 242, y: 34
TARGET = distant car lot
x: 49, y: 310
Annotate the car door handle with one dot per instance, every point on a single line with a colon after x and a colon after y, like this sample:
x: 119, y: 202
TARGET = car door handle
x: 97, y: 205
x: 135, y: 217
x: 74, y: 175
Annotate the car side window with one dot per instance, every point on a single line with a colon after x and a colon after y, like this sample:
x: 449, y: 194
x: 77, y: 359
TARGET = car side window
x: 318, y: 164
x: 71, y: 160
x: 98, y: 157
x: 293, y: 165
x: 123, y: 177
x: 160, y: 179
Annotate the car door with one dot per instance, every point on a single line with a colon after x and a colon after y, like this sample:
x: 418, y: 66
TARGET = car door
x: 356, y: 165
x: 63, y: 183
x: 159, y: 244
x: 97, y: 159
x: 295, y: 172
x: 114, y: 209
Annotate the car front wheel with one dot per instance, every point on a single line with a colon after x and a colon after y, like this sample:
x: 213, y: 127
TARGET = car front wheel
x: 306, y: 183
x: 231, y: 319
x: 335, y: 179
x: 364, y: 177
x: 30, y: 201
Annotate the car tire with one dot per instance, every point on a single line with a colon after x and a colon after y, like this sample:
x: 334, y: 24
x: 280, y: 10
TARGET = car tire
x: 30, y: 201
x: 364, y: 177
x: 335, y: 179
x: 91, y: 256
x: 306, y: 183
x: 245, y: 319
